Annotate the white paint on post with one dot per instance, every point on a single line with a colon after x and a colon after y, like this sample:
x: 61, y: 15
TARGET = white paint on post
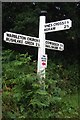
x: 41, y: 50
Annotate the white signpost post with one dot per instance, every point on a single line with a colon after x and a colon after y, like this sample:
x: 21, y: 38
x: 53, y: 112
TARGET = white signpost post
x: 41, y: 42
x: 41, y: 50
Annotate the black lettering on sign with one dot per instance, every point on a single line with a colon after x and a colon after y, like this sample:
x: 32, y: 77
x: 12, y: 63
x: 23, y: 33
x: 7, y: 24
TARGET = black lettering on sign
x: 37, y: 40
x: 67, y: 21
x: 56, y: 24
x: 8, y: 35
x: 49, y: 25
x: 13, y: 40
x: 33, y: 39
x: 46, y: 29
x: 28, y: 38
x: 61, y: 45
x: 19, y: 41
x: 12, y: 35
x: 55, y: 44
x: 21, y: 37
x: 65, y: 26
x: 16, y: 36
x: 56, y: 47
x: 53, y: 28
x: 43, y: 58
x: 24, y: 38
x: 60, y: 48
x: 59, y: 23
x: 51, y: 43
x: 7, y: 39
x: 51, y: 46
x: 29, y: 43
x: 47, y: 46
x: 37, y: 45
x: 46, y: 42
x: 63, y: 22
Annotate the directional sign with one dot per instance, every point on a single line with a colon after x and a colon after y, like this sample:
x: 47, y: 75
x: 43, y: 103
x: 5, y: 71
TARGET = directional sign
x: 31, y: 41
x: 21, y: 39
x: 44, y: 61
x: 40, y: 42
x: 58, y: 25
x: 54, y: 45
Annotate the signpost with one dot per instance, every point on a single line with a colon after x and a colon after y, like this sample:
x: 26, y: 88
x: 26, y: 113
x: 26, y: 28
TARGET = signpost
x: 40, y: 42
x: 41, y: 50
x: 57, y: 26
x: 31, y: 41
x: 21, y: 39
x: 54, y: 45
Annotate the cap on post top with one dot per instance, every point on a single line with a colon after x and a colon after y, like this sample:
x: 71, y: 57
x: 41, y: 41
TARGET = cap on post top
x: 43, y: 13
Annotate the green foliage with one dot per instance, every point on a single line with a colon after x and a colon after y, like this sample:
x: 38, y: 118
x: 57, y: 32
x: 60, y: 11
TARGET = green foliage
x: 65, y: 74
x: 26, y: 96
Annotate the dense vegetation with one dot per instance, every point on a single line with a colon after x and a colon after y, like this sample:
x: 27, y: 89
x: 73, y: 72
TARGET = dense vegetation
x: 24, y: 94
